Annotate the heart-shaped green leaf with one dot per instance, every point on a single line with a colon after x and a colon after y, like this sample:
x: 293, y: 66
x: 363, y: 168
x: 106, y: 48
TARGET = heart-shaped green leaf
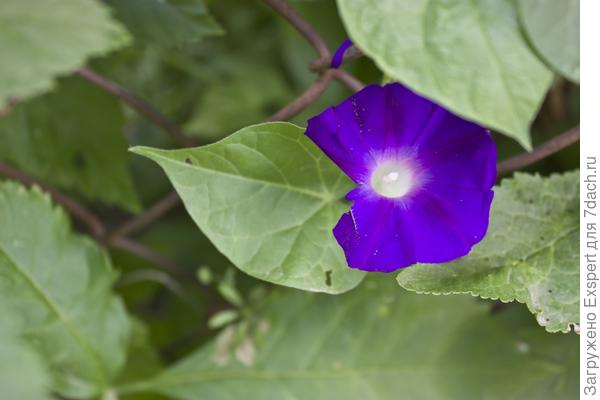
x: 268, y: 199
x: 553, y: 28
x: 468, y: 55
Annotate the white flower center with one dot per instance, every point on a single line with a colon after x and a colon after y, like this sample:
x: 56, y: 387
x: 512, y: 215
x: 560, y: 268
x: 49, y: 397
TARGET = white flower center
x: 392, y: 179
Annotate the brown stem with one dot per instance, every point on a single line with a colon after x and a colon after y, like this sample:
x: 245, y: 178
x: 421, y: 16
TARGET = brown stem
x: 301, y: 25
x: 95, y: 226
x: 139, y: 105
x: 138, y: 249
x: 542, y: 151
x: 324, y: 63
x: 347, y: 79
x: 159, y: 209
x: 304, y: 100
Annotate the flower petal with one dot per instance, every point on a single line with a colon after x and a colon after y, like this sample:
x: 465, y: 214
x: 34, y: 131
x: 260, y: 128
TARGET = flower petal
x: 372, y: 122
x: 394, y: 137
x: 457, y: 152
x: 374, y: 237
x: 385, y: 235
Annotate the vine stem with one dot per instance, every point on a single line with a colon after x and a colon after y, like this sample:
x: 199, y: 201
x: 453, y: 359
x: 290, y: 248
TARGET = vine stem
x: 313, y: 92
x: 323, y: 64
x: 546, y: 149
x: 153, y: 213
x: 304, y: 100
x: 142, y: 107
x: 348, y: 79
x: 301, y: 25
x: 93, y: 223
x: 133, y: 247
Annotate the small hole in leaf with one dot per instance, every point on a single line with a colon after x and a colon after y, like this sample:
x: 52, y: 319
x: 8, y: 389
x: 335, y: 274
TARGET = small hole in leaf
x: 328, y: 277
x: 188, y: 160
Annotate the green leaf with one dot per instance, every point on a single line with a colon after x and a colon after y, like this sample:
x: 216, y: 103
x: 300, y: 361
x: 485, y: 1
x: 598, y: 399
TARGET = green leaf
x: 60, y: 285
x: 468, y: 55
x: 22, y: 374
x: 530, y: 253
x: 72, y: 138
x: 143, y: 360
x: 44, y: 38
x: 248, y: 94
x: 268, y: 199
x: 378, y: 343
x: 553, y: 29
x: 166, y: 23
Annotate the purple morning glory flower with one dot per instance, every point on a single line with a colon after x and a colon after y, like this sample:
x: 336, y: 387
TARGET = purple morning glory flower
x: 425, y: 178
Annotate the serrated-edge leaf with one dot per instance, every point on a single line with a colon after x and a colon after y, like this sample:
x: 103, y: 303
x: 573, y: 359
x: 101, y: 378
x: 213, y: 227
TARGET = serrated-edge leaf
x: 55, y: 307
x: 482, y: 269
